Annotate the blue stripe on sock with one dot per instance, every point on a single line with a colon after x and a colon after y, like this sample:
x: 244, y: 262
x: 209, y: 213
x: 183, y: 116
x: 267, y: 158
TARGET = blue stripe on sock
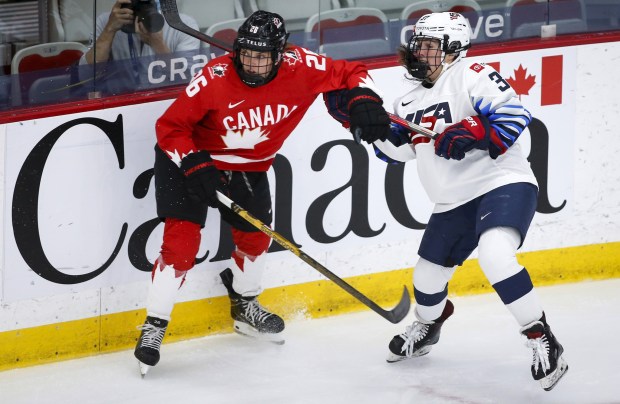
x: 425, y: 299
x: 515, y: 287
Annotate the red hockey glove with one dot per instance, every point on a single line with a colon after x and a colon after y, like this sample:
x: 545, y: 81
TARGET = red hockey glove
x: 472, y: 132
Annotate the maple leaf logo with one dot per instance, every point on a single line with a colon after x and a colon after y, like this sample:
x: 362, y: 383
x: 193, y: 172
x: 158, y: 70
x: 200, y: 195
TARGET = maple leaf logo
x: 522, y: 83
x: 218, y: 70
x: 244, y: 139
x: 292, y: 57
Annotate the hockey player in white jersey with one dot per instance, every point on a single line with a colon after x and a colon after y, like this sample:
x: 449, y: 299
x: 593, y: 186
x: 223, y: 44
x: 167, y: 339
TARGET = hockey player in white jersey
x: 480, y: 181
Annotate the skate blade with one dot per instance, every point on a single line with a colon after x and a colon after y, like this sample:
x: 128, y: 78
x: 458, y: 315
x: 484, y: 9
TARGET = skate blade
x: 392, y: 357
x: 248, y: 331
x: 144, y: 369
x: 551, y: 380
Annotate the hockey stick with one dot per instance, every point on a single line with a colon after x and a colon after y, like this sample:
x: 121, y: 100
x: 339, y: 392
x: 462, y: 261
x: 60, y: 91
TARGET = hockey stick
x: 412, y: 126
x: 171, y: 14
x: 394, y: 316
x: 357, y: 135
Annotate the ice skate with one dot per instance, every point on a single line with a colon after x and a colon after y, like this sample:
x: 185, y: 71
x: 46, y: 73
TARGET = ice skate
x: 149, y: 343
x: 419, y: 337
x: 250, y: 318
x: 548, y: 365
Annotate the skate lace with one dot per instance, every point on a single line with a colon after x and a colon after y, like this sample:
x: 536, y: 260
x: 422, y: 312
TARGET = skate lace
x: 540, y: 347
x: 152, y: 336
x: 254, y: 311
x: 413, y: 333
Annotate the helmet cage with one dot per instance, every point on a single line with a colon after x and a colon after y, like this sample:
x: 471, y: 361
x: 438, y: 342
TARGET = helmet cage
x: 418, y: 69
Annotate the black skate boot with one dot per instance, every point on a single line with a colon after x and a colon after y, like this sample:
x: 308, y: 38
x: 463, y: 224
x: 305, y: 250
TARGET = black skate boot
x: 548, y: 365
x: 147, y: 349
x: 250, y: 318
x: 419, y: 337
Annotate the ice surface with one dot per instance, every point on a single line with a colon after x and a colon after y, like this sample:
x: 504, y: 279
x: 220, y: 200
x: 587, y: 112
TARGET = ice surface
x: 480, y: 359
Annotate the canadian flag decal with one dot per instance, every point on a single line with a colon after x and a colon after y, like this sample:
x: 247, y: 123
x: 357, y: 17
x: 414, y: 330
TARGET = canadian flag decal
x: 551, y: 71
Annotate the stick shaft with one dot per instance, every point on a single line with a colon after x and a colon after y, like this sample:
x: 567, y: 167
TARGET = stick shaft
x: 412, y: 126
x: 171, y: 14
x: 394, y: 316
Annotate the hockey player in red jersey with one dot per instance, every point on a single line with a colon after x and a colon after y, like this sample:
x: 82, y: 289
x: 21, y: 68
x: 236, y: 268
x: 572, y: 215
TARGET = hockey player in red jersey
x: 223, y: 133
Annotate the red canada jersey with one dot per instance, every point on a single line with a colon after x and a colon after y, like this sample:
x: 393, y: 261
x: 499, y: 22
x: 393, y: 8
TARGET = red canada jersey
x: 243, y: 127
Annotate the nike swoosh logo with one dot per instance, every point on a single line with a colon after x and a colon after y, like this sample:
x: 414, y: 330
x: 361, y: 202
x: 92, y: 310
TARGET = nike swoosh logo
x: 483, y: 216
x: 404, y: 104
x: 231, y: 105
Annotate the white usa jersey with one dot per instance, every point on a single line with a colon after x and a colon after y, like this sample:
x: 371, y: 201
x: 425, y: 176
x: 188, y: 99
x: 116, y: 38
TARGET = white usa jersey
x: 467, y: 89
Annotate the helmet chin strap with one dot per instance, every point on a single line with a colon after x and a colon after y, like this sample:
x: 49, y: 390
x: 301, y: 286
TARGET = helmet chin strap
x: 444, y: 66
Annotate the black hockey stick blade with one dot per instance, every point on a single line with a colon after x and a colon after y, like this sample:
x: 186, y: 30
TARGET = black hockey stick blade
x: 171, y: 14
x: 401, y: 310
x: 394, y: 316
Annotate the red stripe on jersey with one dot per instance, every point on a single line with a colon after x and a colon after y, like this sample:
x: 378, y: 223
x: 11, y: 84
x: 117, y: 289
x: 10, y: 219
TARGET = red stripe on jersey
x: 417, y: 139
x: 198, y: 167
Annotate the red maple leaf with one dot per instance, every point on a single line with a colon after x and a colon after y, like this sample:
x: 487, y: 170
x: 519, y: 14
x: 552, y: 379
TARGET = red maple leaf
x: 522, y: 84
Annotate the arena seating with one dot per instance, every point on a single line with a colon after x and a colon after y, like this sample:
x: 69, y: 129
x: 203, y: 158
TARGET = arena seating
x: 225, y: 31
x: 603, y: 15
x: 469, y: 8
x: 295, y: 13
x: 349, y: 32
x: 209, y: 12
x: 391, y: 8
x: 524, y: 18
x: 38, y: 63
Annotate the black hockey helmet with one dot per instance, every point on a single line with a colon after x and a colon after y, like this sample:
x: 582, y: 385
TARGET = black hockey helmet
x: 264, y: 32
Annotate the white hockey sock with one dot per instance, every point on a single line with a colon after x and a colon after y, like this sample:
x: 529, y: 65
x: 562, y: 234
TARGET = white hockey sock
x: 163, y: 290
x: 430, y: 279
x: 497, y: 250
x: 247, y: 282
x: 526, y: 309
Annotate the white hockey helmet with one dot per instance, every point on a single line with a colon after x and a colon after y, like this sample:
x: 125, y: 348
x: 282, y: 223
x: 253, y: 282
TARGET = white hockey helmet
x: 452, y: 29
x: 453, y: 32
